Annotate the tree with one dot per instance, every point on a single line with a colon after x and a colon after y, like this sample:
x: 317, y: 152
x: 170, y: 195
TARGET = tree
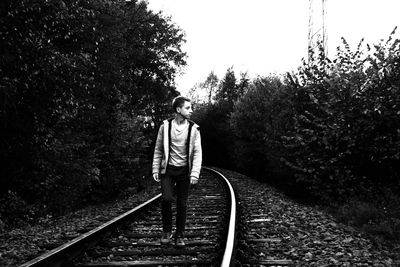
x: 259, y: 118
x: 211, y: 85
x: 243, y: 84
x: 204, y: 92
x: 213, y: 117
x: 228, y: 91
x: 79, y: 80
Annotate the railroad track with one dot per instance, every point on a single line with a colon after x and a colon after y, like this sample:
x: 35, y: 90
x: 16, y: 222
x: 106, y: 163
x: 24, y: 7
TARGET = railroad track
x: 259, y: 243
x: 132, y: 239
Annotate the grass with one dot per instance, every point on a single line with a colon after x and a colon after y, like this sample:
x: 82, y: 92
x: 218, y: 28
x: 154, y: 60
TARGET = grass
x: 380, y: 220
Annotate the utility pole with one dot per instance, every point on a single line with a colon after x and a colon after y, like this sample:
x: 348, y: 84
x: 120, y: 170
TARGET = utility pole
x: 317, y: 28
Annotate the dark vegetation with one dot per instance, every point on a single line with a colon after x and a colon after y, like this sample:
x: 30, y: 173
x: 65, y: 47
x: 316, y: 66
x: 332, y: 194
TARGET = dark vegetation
x: 83, y: 85
x: 329, y: 133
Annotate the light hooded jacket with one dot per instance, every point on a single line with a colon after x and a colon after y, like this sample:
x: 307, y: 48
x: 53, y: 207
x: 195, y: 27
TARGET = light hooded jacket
x: 161, y: 150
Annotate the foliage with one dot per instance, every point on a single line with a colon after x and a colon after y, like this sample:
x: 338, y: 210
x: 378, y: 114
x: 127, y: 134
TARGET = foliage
x: 213, y: 117
x: 378, y: 218
x: 345, y: 139
x: 79, y: 82
x: 329, y: 132
x: 215, y: 135
x: 330, y: 129
x: 228, y: 89
x: 204, y: 92
x: 259, y: 118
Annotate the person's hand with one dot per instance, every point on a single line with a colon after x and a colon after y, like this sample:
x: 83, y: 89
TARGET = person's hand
x: 156, y: 177
x: 194, y: 180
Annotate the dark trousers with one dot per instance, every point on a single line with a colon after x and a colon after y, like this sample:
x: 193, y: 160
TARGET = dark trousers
x: 176, y: 178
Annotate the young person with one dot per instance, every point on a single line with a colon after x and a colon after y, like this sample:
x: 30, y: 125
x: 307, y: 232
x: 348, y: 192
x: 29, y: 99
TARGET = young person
x: 177, y: 163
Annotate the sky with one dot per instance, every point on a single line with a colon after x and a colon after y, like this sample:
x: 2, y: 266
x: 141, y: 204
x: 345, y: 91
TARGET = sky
x: 268, y: 36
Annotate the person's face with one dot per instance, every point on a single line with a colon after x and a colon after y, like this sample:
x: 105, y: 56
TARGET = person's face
x: 185, y: 110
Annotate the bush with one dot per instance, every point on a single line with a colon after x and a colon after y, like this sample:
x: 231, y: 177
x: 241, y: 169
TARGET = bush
x: 14, y: 210
x: 345, y: 139
x: 359, y: 213
x: 377, y: 218
x: 260, y: 117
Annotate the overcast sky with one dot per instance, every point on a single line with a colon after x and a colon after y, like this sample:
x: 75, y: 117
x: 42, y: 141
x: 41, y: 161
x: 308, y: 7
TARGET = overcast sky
x: 267, y: 36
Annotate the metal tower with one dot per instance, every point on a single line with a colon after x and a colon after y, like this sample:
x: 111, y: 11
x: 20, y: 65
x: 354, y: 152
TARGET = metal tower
x: 317, y: 28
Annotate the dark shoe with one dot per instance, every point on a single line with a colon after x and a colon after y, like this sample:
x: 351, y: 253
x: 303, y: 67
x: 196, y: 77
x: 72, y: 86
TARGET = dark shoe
x: 166, y: 238
x: 179, y: 242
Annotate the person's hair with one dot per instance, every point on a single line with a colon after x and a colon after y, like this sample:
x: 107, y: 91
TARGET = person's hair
x: 179, y: 101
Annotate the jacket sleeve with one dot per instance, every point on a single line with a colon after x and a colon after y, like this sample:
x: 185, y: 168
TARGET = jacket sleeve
x: 197, y: 155
x: 158, y: 150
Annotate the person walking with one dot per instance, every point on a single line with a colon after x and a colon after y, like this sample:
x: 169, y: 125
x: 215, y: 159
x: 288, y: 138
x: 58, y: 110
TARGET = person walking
x: 176, y: 163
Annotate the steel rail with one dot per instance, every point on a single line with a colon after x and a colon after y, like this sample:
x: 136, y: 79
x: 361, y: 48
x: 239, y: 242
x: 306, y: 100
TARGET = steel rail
x: 64, y: 253
x: 72, y: 248
x: 228, y: 259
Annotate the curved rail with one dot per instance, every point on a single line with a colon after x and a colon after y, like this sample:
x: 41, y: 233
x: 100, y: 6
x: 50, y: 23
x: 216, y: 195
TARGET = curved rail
x: 231, y: 238
x: 75, y: 246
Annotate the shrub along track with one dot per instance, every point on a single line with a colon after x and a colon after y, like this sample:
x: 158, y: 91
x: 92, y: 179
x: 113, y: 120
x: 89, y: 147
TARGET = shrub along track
x: 135, y: 242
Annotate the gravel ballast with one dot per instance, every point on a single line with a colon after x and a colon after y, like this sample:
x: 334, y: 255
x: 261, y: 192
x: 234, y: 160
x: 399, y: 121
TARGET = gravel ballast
x: 23, y: 244
x: 309, y: 236
x: 304, y: 235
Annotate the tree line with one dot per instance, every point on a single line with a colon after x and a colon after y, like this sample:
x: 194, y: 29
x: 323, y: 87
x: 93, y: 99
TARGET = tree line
x: 83, y: 83
x: 328, y: 132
